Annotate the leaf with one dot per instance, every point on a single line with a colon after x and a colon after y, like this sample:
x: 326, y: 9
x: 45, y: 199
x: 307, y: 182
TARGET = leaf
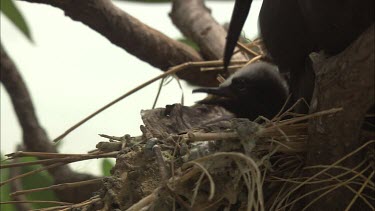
x: 160, y: 1
x: 42, y: 179
x: 189, y: 43
x: 38, y: 180
x: 107, y: 165
x: 148, y: 1
x: 5, y: 189
x: 10, y: 10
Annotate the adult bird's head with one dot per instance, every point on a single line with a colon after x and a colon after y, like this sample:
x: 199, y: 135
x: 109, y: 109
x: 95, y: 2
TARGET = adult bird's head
x: 239, y: 15
x: 255, y: 90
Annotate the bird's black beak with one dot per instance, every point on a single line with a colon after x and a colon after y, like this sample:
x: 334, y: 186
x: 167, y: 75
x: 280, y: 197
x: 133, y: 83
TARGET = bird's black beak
x: 220, y: 95
x: 218, y: 91
x: 239, y: 15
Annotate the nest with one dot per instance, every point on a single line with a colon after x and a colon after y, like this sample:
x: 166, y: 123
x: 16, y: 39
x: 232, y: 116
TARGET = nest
x: 183, y: 162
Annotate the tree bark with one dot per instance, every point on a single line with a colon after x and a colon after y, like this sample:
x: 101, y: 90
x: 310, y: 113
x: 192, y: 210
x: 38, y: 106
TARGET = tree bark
x: 194, y: 20
x: 347, y: 81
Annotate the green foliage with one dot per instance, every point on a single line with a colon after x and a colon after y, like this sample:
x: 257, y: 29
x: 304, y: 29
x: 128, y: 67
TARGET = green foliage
x: 41, y: 179
x: 5, y: 190
x: 189, y: 43
x: 149, y: 1
x: 107, y: 165
x: 159, y: 1
x: 9, y: 9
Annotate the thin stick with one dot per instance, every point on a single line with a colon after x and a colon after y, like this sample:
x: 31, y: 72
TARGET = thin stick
x: 182, y: 89
x: 39, y: 154
x: 359, y: 192
x: 62, y: 186
x: 69, y: 160
x: 298, y: 119
x: 173, y: 70
x: 328, y: 168
x: 82, y: 204
x: 146, y: 201
x: 112, y: 137
x: 30, y: 173
x: 72, y: 158
x: 212, y: 183
x: 35, y: 201
x: 158, y: 94
x: 246, y: 49
x: 161, y: 162
x: 256, y: 58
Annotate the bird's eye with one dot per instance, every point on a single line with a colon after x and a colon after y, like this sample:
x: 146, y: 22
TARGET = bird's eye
x: 239, y: 84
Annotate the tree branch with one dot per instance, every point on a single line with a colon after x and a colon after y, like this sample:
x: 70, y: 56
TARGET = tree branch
x: 194, y: 20
x: 345, y: 80
x: 138, y: 39
x: 34, y: 137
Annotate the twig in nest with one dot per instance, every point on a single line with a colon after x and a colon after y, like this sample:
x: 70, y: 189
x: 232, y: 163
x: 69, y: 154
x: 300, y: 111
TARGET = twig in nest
x: 284, y: 189
x: 158, y: 93
x: 359, y: 192
x: 62, y: 186
x: 39, y: 155
x: 330, y: 189
x: 178, y: 198
x: 198, y: 136
x: 58, y: 162
x: 256, y: 58
x: 246, y: 49
x: 303, y: 118
x: 68, y: 159
x: 315, y: 176
x: 258, y: 43
x: 253, y: 182
x: 35, y: 201
x: 346, y: 171
x: 212, y: 183
x: 82, y: 204
x: 360, y: 195
x: 122, y: 138
x: 161, y: 162
x: 145, y: 202
x: 283, y: 113
x: 220, y: 78
x: 230, y: 67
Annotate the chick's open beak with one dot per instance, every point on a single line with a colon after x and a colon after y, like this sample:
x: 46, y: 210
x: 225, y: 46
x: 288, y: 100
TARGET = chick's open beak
x: 220, y: 94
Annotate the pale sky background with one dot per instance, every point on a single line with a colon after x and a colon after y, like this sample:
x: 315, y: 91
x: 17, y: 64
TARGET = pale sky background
x: 71, y: 71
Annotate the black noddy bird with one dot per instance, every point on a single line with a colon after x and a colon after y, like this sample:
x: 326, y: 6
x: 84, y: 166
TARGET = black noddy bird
x: 335, y: 24
x: 255, y: 90
x: 292, y: 29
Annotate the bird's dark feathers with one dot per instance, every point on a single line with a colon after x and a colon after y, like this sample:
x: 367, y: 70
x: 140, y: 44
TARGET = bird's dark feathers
x: 254, y: 90
x: 292, y: 29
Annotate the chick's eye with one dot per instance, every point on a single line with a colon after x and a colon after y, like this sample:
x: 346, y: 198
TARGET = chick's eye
x: 239, y: 84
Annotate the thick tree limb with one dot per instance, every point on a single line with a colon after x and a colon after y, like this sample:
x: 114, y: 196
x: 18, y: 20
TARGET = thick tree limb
x: 135, y: 37
x: 345, y: 80
x: 34, y: 137
x: 194, y: 20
